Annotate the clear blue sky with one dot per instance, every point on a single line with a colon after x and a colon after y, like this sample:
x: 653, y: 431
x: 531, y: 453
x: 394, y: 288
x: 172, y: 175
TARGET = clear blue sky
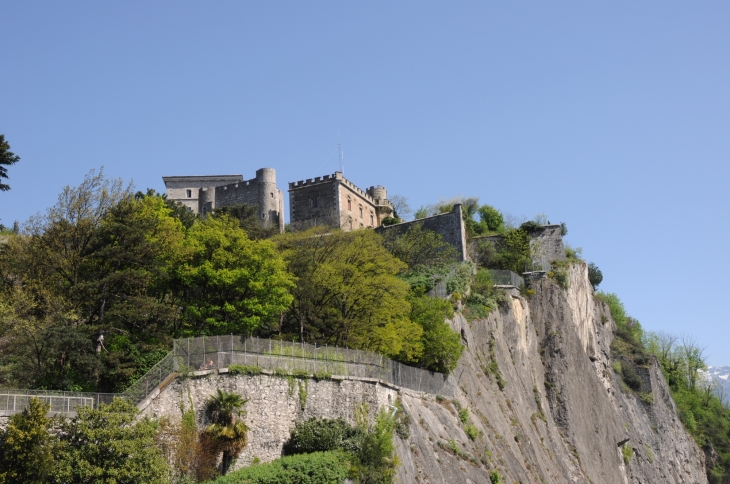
x: 611, y: 116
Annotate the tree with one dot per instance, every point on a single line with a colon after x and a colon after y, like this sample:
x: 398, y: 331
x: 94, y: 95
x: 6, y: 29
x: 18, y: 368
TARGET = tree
x: 230, y: 284
x: 401, y: 209
x: 227, y: 431
x: 492, y: 218
x: 442, y: 346
x: 7, y: 158
x: 418, y: 246
x: 348, y: 292
x: 513, y: 250
x: 247, y: 216
x: 26, y: 446
x: 595, y: 276
x: 109, y: 445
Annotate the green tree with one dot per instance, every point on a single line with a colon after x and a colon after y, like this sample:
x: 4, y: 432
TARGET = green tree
x: 7, y: 158
x: 377, y: 459
x: 442, y: 346
x: 513, y: 250
x: 348, y: 292
x: 418, y: 246
x: 109, y: 445
x: 595, y: 276
x: 230, y: 284
x: 492, y: 218
x: 26, y: 446
x: 226, y: 430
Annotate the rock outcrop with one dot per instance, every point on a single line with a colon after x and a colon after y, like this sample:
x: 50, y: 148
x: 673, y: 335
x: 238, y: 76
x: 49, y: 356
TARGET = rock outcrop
x: 543, y: 404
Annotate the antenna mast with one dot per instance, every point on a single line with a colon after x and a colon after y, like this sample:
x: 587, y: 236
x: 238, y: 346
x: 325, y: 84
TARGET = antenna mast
x: 340, y: 153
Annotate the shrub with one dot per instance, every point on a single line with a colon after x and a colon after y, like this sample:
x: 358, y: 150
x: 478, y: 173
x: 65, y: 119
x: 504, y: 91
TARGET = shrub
x: 323, y: 434
x: 495, y: 477
x: 244, y: 370
x: 464, y: 415
x: 595, y: 276
x: 297, y: 469
x: 471, y: 431
x: 628, y: 453
x: 631, y: 378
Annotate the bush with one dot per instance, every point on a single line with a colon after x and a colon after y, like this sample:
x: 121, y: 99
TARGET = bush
x: 595, y: 276
x: 323, y: 434
x: 312, y: 468
x: 628, y: 453
x: 631, y: 378
x: 471, y: 431
x: 244, y: 370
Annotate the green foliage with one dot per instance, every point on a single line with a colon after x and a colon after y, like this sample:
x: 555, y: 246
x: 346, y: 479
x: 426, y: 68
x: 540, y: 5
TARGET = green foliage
x: 227, y: 431
x: 26, y: 446
x: 630, y: 377
x: 513, y: 251
x: 495, y: 477
x: 244, y: 370
x: 615, y: 307
x: 563, y: 229
x: 595, y: 276
x: 471, y: 431
x: 492, y: 218
x: 419, y: 247
x: 377, y: 461
x: 442, y: 346
x: 460, y: 278
x: 314, y: 468
x: 392, y: 220
x: 493, y: 367
x: 348, y: 293
x: 573, y: 254
x: 109, y: 445
x: 628, y: 452
x: 402, y: 420
x: 248, y: 220
x: 464, y: 415
x: 232, y: 284
x: 7, y: 158
x: 321, y: 434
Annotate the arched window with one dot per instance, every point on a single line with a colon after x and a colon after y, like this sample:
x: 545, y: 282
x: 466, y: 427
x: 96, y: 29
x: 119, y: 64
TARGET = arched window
x: 349, y: 204
x: 360, y: 211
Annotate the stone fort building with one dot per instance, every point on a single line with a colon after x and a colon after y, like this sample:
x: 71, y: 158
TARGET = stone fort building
x: 203, y: 194
x: 334, y: 201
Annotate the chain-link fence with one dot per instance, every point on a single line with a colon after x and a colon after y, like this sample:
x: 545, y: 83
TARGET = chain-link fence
x: 15, y: 401
x: 207, y: 353
x: 164, y: 369
x: 506, y: 278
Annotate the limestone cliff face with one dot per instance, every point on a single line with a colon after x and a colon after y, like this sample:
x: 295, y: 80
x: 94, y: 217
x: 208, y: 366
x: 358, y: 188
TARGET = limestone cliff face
x: 560, y: 416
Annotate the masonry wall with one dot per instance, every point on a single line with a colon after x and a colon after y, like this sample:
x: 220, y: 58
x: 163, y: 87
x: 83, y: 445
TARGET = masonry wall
x: 449, y: 225
x: 547, y: 243
x: 274, y: 405
x: 304, y: 213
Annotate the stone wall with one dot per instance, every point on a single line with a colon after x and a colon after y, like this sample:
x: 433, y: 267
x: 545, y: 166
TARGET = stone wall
x: 335, y: 201
x: 547, y: 243
x: 449, y: 225
x: 275, y: 404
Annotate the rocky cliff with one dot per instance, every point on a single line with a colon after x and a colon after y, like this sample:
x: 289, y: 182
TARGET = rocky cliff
x: 539, y: 403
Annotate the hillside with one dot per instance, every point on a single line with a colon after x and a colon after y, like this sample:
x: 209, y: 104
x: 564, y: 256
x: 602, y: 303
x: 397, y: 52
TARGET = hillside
x: 561, y: 416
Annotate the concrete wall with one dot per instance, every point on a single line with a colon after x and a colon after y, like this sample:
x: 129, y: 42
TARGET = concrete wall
x: 273, y: 406
x: 449, y: 225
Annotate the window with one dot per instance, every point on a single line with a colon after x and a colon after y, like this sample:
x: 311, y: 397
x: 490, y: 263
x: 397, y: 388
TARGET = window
x: 360, y: 211
x: 372, y: 219
x: 349, y: 204
x: 189, y: 193
x: 313, y: 202
x: 272, y: 194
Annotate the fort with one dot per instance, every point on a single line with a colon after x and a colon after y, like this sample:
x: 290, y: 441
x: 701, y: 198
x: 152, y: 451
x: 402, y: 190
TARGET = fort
x: 203, y: 194
x: 334, y: 201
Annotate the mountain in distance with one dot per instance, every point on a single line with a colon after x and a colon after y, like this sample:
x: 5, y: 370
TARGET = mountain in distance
x: 720, y: 375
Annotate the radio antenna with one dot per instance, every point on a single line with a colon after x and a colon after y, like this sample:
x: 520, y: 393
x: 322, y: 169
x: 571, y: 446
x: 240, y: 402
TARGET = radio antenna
x: 340, y: 153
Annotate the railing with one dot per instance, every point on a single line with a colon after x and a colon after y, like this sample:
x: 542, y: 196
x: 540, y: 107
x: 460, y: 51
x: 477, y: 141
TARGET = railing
x: 215, y: 352
x: 163, y: 370
x: 506, y: 278
x: 207, y: 353
x: 13, y: 401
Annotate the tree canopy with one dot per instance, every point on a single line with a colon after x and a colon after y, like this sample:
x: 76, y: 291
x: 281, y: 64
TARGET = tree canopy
x: 7, y: 158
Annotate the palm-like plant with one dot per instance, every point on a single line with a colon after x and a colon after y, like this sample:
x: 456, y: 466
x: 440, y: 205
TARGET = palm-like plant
x: 226, y: 430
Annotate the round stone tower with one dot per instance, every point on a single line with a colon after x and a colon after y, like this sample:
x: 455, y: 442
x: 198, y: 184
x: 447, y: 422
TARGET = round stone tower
x: 206, y: 200
x: 268, y: 195
x: 378, y: 193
